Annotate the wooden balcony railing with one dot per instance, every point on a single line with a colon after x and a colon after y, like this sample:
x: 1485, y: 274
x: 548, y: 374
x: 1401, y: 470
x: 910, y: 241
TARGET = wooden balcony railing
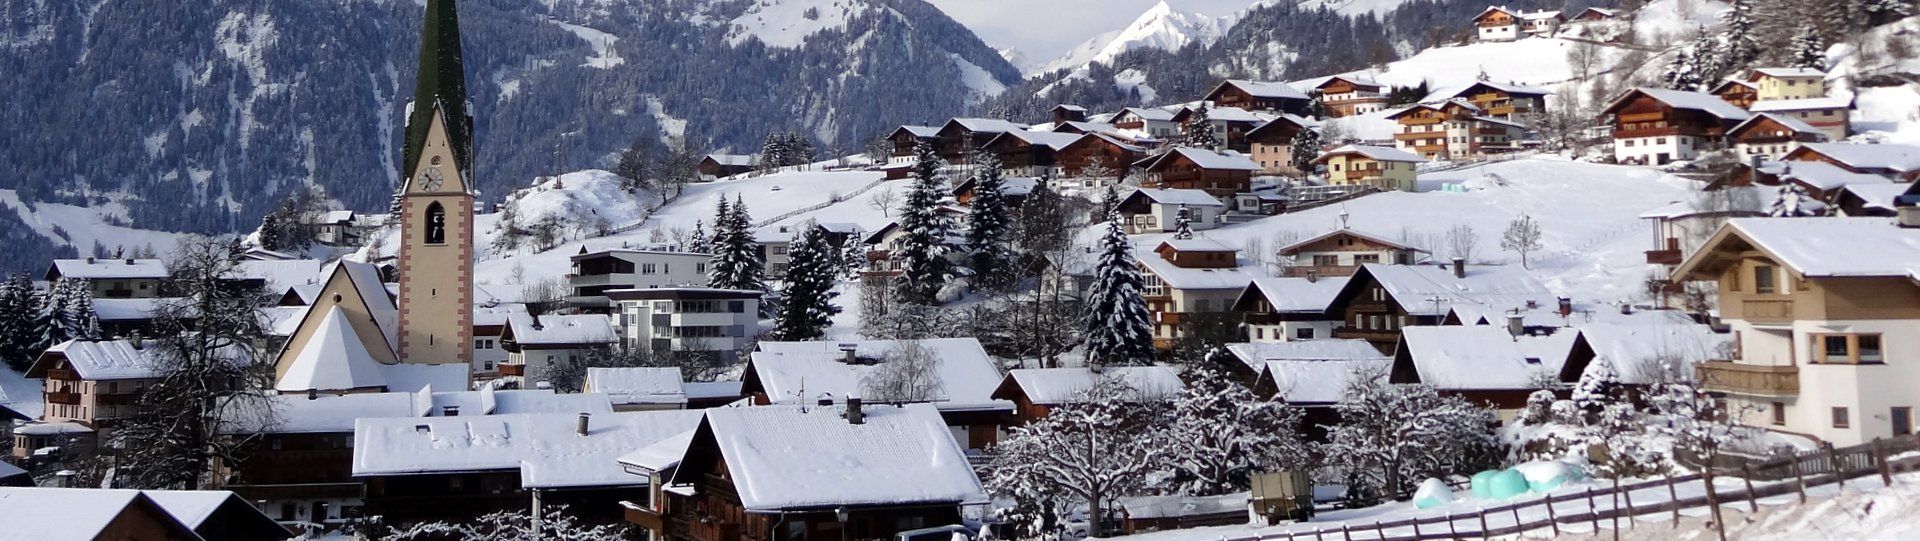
x: 1371, y: 335
x: 1663, y: 257
x: 644, y: 517
x: 1767, y: 311
x: 1749, y: 379
x: 62, y: 373
x: 512, y: 369
x: 1323, y: 271
x: 70, y: 399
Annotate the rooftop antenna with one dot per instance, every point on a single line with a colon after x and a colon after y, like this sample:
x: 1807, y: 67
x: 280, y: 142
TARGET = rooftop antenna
x: 1344, y: 216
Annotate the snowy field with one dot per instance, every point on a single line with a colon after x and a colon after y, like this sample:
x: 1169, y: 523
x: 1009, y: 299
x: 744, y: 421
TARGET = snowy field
x: 82, y: 227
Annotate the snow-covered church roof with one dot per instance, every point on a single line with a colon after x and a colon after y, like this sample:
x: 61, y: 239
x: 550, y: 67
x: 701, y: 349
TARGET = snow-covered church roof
x: 334, y: 359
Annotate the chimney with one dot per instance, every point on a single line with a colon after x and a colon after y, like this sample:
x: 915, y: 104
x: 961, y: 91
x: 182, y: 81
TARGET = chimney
x: 582, y: 428
x: 129, y: 261
x: 1460, y: 268
x: 1566, y: 307
x: 1908, y: 208
x: 850, y: 353
x: 313, y: 394
x: 854, y: 415
x: 1626, y: 309
x: 536, y: 320
x: 451, y: 411
x: 1313, y: 276
x: 825, y: 401
x: 1516, y: 325
x: 89, y: 260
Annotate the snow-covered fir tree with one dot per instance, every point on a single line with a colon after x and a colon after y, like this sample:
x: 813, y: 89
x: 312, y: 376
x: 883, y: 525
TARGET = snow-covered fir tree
x: 1792, y: 202
x: 922, y: 248
x: 1220, y: 433
x: 69, y: 313
x: 775, y: 152
x: 1197, y: 131
x: 270, y: 232
x: 1305, y: 148
x: 719, y: 272
x: 853, y: 254
x: 1683, y: 71
x: 1738, y: 47
x: 18, y: 322
x: 1183, y: 224
x: 806, y: 305
x: 799, y: 149
x: 1118, y: 329
x: 1391, y: 436
x: 736, y: 262
x: 1596, y: 386
x: 697, y: 240
x: 988, y: 225
x: 1088, y: 452
x: 1808, y: 49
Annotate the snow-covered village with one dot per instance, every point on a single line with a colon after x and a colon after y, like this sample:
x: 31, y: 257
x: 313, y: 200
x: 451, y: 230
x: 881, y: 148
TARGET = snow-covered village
x: 959, y: 270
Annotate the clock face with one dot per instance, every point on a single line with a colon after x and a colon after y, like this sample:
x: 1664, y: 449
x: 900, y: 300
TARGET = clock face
x: 431, y: 179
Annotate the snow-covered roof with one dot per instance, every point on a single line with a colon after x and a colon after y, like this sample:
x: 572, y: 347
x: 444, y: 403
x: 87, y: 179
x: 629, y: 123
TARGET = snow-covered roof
x: 1176, y: 197
x: 1879, y: 196
x: 1540, y: 15
x: 1785, y: 72
x: 663, y: 455
x: 1255, y: 354
x: 1462, y: 91
x: 1680, y: 99
x: 711, y: 389
x: 923, y: 132
x: 793, y: 457
x: 985, y: 125
x: 1290, y: 249
x: 108, y: 269
x: 803, y: 372
x: 1234, y: 114
x: 1833, y: 247
x: 52, y: 429
x: 334, y: 359
x: 101, y: 360
x: 1151, y: 507
x: 1481, y: 357
x: 128, y: 309
x: 1319, y: 382
x: 49, y: 514
x: 1178, y: 277
x: 561, y: 330
x: 1053, y: 140
x: 1376, y: 153
x: 1148, y: 113
x: 1264, y: 89
x: 734, y: 160
x: 1901, y: 158
x: 1297, y: 294
x: 1802, y: 104
x: 1070, y: 107
x: 638, y: 385
x: 496, y: 315
x: 545, y: 449
x: 1827, y: 176
x: 1432, y: 290
x: 373, y: 293
x: 336, y: 217
x: 193, y: 507
x: 1205, y: 159
x: 296, y: 414
x: 1064, y: 385
x: 1197, y: 244
x: 489, y: 401
x: 1791, y: 123
x: 1638, y: 351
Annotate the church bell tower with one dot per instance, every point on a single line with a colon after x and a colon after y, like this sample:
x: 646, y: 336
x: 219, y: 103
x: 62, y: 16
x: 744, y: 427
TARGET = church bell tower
x: 436, y: 200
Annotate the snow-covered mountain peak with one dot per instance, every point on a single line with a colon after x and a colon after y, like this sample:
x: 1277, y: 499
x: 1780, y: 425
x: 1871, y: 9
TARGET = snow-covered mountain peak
x: 1160, y: 27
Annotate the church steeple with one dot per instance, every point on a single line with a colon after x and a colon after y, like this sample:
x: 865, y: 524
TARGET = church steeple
x: 441, y: 88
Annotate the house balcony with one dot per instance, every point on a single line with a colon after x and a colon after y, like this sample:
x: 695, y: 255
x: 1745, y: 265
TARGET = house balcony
x: 1663, y: 257
x: 70, y: 399
x: 1767, y: 312
x: 645, y: 517
x: 1370, y: 335
x: 63, y: 373
x: 122, y: 399
x: 1749, y: 379
x: 1323, y: 271
x: 512, y: 369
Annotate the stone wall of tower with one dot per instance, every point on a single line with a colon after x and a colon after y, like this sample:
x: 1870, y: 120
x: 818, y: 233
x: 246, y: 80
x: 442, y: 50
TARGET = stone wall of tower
x: 436, y: 279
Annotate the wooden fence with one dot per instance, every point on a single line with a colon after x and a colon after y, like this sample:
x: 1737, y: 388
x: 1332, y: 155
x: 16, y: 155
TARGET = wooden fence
x: 1780, y: 476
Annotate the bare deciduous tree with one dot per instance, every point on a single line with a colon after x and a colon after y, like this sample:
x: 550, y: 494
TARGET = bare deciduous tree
x: 1523, y: 237
x: 907, y: 373
x: 883, y: 201
x: 1461, y: 242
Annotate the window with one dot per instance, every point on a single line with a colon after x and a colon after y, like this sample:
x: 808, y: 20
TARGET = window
x: 1833, y: 348
x: 1763, y: 276
x: 1779, y: 413
x: 1840, y: 417
x: 436, y: 224
x: 1303, y: 333
x: 1902, y: 420
x: 1847, y: 349
x: 1259, y: 333
x: 1867, y: 348
x: 1366, y: 258
x: 1326, y: 261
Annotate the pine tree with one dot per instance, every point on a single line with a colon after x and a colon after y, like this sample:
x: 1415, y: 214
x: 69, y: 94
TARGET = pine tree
x: 697, y: 242
x: 1305, y: 148
x: 922, y: 248
x: 1597, y: 383
x: 1808, y: 49
x: 799, y: 149
x: 45, y: 322
x: 736, y: 262
x: 718, y: 270
x: 1183, y: 224
x: 69, y: 313
x: 1738, y: 48
x: 806, y: 305
x: 1683, y: 72
x: 774, y: 152
x: 270, y: 231
x: 1197, y: 131
x: 988, y: 225
x: 1118, y: 329
x: 17, y: 330
x: 1792, y: 202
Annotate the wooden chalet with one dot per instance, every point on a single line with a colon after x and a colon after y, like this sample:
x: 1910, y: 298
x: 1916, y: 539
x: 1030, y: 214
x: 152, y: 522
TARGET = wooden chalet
x: 1384, y: 168
x: 1273, y: 97
x: 726, y: 165
x: 1065, y: 113
x: 1277, y: 309
x: 1769, y: 137
x: 1190, y: 281
x: 1898, y: 162
x: 1499, y: 100
x: 1012, y: 190
x: 1594, y: 15
x: 1453, y: 129
x: 1488, y: 364
x: 1029, y: 153
x: 906, y: 138
x: 1654, y: 126
x: 1497, y: 23
x: 1381, y: 300
x: 964, y: 378
x: 798, y: 473
x: 1271, y: 144
x: 46, y: 513
x: 958, y: 138
x: 1230, y: 124
x: 1035, y: 392
x: 1097, y: 151
x: 1342, y: 252
x: 1738, y: 92
x: 1348, y: 95
x: 1219, y: 174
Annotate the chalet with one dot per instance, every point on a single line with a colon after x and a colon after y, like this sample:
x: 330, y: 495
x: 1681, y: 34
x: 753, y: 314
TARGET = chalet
x: 1288, y: 309
x: 1157, y: 123
x: 489, y: 322
x: 1030, y: 153
x: 1316, y: 387
x: 715, y: 166
x: 88, y: 386
x: 1349, y: 95
x: 1858, y: 200
x: 112, y: 278
x: 774, y: 241
x: 1593, y: 15
x: 1271, y: 97
x: 1678, y: 227
x: 1035, y: 392
x: 1083, y: 128
x: 1012, y: 190
x: 1453, y: 129
x: 1642, y: 355
x: 1382, y: 299
x: 958, y: 138
x: 715, y: 322
x: 1065, y: 113
x: 128, y: 317
x: 638, y: 388
x: 335, y: 228
x: 1271, y: 144
x: 1191, y: 283
x: 880, y: 263
x: 117, y: 514
x: 1484, y: 363
x: 1384, y: 168
x: 1496, y: 100
x: 459, y: 467
x: 536, y: 344
x: 1219, y: 174
x: 1899, y: 162
x: 1769, y: 136
x: 1342, y: 252
x: 792, y: 473
x: 1230, y: 124
x: 1254, y: 357
x: 962, y: 379
x: 1829, y: 115
x: 1497, y: 23
x: 1655, y: 126
x: 1152, y: 210
x: 1541, y: 23
x: 1098, y: 155
x: 1771, y: 84
x: 1822, y: 313
x: 905, y: 138
x: 1738, y: 92
x: 597, y: 272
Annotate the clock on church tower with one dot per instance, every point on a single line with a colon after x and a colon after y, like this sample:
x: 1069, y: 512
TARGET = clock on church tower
x: 437, y: 203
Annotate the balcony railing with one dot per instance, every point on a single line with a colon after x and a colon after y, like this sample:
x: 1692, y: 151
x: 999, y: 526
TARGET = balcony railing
x: 70, y: 399
x: 1323, y: 271
x: 1663, y: 257
x: 645, y: 518
x: 512, y: 369
x: 1372, y: 335
x: 1749, y: 379
x: 1767, y: 311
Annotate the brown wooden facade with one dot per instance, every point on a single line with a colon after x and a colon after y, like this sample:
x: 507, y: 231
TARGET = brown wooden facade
x: 1739, y: 93
x: 1020, y: 154
x: 1508, y: 103
x: 1175, y: 171
x: 1369, y: 312
x: 1638, y: 114
x: 1229, y: 94
x: 1111, y: 153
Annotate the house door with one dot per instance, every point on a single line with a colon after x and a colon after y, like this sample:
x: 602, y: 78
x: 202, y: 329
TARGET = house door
x: 1902, y: 420
x: 1661, y: 159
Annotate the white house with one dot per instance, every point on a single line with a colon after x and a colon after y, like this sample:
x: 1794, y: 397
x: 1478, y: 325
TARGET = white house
x: 1157, y: 210
x: 1288, y: 309
x: 688, y: 319
x: 595, y: 273
x: 535, y: 344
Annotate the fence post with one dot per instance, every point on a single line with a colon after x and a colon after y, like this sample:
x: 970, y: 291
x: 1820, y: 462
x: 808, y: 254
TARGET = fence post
x: 1746, y: 473
x: 1519, y: 526
x: 1450, y: 528
x: 1416, y: 528
x: 1616, y: 508
x: 1673, y: 498
x: 1880, y: 462
x: 1630, y: 514
x: 1483, y: 523
x: 1800, y: 476
x: 1553, y: 520
x: 1345, y: 533
x: 1316, y: 534
x: 1378, y: 531
x: 1833, y: 463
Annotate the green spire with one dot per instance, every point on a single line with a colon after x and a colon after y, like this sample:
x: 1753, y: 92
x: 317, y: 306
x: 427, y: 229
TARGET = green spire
x: 442, y: 85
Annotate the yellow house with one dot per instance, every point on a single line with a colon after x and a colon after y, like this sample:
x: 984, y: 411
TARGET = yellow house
x: 1381, y: 167
x: 1788, y: 83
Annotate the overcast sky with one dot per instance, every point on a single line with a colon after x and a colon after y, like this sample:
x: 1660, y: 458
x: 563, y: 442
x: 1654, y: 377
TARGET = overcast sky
x: 1047, y: 29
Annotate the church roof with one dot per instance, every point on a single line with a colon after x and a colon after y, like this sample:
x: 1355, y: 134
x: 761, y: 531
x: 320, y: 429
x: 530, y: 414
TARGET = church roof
x: 334, y: 359
x: 441, y: 86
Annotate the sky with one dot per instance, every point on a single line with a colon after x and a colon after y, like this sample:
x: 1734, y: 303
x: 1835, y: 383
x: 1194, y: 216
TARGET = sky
x: 1047, y: 29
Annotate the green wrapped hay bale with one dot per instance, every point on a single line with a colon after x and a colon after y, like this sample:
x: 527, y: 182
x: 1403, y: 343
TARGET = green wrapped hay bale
x: 1547, y: 475
x: 1432, y: 493
x: 1478, y: 484
x: 1506, y: 484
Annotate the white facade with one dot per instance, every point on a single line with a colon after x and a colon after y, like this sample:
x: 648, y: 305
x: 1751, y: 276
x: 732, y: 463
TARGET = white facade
x: 596, y: 273
x: 1842, y: 402
x: 1288, y: 331
x: 1500, y: 33
x: 1659, y: 150
x: 1163, y: 218
x: 689, y: 319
